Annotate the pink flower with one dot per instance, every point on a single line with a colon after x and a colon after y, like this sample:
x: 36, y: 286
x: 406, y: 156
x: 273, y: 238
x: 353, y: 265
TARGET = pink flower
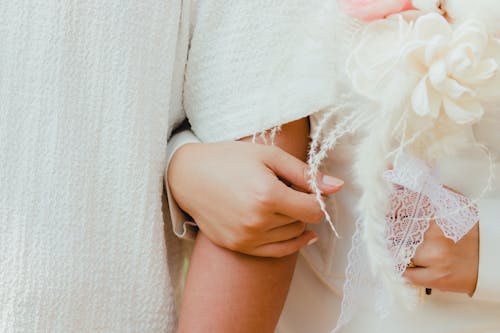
x: 369, y: 10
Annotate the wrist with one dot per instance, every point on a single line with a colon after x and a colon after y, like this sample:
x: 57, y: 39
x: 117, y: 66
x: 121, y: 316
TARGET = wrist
x: 182, y: 158
x: 180, y: 176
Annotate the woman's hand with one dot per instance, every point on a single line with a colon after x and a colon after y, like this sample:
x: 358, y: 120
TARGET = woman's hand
x: 445, y: 265
x: 236, y: 193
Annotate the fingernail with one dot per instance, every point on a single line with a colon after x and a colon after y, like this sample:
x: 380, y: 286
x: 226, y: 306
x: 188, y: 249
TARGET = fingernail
x: 312, y: 241
x: 332, y: 181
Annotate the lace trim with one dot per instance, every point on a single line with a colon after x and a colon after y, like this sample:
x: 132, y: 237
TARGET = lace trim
x: 417, y: 199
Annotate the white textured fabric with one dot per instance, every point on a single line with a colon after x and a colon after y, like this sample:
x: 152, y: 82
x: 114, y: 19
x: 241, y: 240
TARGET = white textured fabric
x: 257, y: 64
x: 85, y: 92
x: 251, y: 67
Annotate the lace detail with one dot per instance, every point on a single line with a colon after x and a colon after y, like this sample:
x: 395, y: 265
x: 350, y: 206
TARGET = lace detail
x: 356, y: 279
x: 417, y: 199
x: 383, y: 244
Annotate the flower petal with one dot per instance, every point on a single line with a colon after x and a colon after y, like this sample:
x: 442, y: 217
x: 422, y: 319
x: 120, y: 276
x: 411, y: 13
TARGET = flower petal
x: 455, y: 90
x: 438, y: 75
x: 427, y: 5
x: 425, y: 101
x: 473, y: 35
x: 484, y: 71
x: 458, y: 60
x: 431, y: 25
x: 371, y: 66
x: 465, y: 111
x: 373, y: 9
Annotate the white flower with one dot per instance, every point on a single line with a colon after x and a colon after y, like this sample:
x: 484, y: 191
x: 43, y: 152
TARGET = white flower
x: 424, y: 60
x: 428, y: 6
x: 487, y: 11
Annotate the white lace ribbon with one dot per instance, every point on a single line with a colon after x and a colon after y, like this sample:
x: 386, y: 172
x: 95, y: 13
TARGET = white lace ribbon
x: 418, y: 199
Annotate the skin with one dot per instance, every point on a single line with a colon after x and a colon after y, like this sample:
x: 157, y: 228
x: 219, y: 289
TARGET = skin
x: 444, y: 265
x: 261, y: 213
x: 234, y: 292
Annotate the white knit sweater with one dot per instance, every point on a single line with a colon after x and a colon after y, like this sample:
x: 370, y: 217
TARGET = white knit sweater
x: 89, y: 92
x: 85, y: 93
x: 257, y: 64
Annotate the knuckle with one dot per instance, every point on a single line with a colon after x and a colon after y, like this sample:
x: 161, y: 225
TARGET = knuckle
x: 273, y: 150
x: 301, y: 228
x: 264, y: 196
x: 237, y: 241
x: 252, y: 225
x: 440, y: 254
x: 316, y: 214
x: 270, y: 151
x: 239, y: 244
x: 233, y: 245
x: 445, y: 252
x: 298, y: 229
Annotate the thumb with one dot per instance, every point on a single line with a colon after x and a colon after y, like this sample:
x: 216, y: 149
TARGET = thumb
x: 296, y: 172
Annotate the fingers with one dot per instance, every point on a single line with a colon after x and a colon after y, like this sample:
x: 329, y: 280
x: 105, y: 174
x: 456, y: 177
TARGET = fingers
x: 282, y: 249
x: 433, y: 249
x: 296, y: 172
x: 420, y: 276
x: 284, y: 233
x: 298, y: 205
x: 277, y: 221
x: 429, y: 259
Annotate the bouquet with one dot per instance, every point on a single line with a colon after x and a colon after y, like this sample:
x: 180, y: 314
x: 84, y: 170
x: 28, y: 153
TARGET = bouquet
x: 424, y: 71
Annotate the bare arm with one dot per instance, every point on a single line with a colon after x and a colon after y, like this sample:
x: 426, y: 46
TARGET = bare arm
x: 231, y: 292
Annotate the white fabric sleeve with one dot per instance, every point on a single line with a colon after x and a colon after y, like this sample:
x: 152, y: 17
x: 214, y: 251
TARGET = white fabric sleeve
x: 255, y: 65
x: 182, y: 225
x: 488, y: 284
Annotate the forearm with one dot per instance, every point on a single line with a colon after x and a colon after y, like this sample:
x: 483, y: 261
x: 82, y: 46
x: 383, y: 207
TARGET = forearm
x: 231, y: 292
x: 181, y: 223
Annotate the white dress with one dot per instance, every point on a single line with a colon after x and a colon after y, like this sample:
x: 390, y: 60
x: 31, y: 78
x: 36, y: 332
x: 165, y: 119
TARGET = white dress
x: 313, y: 303
x: 319, y: 277
x: 85, y: 93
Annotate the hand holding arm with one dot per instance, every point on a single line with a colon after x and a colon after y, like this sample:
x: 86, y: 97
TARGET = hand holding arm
x: 241, y: 181
x: 235, y: 193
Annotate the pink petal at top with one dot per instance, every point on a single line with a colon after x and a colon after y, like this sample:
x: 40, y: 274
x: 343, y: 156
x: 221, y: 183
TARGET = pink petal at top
x: 369, y: 10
